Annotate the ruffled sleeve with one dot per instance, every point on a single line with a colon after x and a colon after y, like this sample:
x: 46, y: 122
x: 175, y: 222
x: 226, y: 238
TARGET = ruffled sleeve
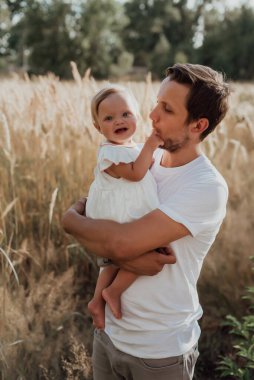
x: 115, y: 154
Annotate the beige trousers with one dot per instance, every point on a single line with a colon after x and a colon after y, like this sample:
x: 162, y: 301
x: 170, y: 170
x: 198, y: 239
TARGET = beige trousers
x: 112, y: 364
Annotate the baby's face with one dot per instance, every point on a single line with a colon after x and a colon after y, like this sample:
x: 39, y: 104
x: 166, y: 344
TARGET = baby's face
x: 117, y: 118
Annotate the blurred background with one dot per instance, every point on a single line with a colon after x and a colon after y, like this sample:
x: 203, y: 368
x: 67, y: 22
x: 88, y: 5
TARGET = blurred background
x: 54, y: 56
x: 126, y: 38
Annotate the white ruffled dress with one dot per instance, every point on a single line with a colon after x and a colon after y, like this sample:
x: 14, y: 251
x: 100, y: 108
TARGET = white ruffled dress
x: 117, y: 198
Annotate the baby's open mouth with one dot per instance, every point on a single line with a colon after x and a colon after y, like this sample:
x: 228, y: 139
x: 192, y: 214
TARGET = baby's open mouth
x: 121, y: 130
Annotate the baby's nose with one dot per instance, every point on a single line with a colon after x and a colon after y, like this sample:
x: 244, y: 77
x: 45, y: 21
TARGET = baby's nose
x: 119, y: 120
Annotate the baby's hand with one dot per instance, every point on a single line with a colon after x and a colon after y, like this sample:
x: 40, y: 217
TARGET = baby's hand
x: 154, y: 141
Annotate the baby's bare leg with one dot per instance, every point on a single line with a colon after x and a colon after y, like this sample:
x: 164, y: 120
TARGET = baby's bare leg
x: 97, y: 304
x: 112, y: 294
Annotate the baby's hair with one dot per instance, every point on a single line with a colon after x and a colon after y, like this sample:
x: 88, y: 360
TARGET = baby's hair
x: 107, y: 91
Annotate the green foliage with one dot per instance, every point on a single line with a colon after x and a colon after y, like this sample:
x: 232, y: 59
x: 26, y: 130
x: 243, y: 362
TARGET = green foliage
x: 228, y: 42
x: 160, y: 31
x: 112, y: 36
x: 4, y: 28
x: 42, y: 38
x: 240, y: 363
x: 101, y: 25
x: 15, y: 6
x: 50, y: 34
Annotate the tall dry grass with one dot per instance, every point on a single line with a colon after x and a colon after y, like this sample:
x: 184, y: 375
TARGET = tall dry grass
x: 47, y: 155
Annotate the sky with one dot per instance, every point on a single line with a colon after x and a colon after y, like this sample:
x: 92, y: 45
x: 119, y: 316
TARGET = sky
x: 235, y: 3
x: 231, y: 3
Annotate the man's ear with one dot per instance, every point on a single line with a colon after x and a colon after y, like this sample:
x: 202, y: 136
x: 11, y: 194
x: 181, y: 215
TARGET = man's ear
x: 200, y: 125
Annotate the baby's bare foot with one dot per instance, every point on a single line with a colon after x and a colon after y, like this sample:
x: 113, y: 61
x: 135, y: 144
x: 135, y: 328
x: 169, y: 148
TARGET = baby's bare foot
x: 96, y: 308
x: 113, y: 300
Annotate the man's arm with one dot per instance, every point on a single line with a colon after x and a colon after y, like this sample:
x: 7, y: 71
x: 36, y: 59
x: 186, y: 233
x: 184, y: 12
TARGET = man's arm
x: 125, y: 241
x: 149, y: 263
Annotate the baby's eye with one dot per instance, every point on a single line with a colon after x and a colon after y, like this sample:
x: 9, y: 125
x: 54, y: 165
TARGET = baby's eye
x: 126, y: 114
x: 108, y: 118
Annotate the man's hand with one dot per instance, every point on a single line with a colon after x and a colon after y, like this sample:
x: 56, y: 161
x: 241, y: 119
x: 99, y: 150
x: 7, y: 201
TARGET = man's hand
x: 80, y: 206
x: 78, y: 209
x: 150, y: 263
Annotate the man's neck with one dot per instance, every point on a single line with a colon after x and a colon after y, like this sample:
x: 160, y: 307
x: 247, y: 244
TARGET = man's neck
x: 180, y: 158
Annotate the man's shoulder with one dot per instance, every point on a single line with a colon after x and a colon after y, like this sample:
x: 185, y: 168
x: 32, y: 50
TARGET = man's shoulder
x: 206, y: 185
x: 202, y: 177
x: 212, y: 175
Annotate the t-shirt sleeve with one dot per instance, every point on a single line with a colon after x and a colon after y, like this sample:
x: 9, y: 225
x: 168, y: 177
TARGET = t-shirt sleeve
x: 199, y: 208
x: 113, y: 154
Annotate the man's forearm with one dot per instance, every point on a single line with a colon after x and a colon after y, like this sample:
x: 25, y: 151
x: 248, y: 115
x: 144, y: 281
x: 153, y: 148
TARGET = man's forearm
x: 105, y: 238
x: 98, y: 236
x: 125, y: 241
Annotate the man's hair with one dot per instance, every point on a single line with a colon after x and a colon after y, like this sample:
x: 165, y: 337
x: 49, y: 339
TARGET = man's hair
x: 208, y: 96
x: 105, y: 93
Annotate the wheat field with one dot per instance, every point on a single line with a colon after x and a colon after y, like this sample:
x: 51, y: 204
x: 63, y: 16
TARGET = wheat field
x: 47, y: 155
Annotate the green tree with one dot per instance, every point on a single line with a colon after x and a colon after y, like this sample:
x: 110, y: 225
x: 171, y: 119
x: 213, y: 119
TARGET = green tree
x: 228, y: 43
x: 49, y: 36
x: 161, y: 32
x: 101, y: 27
x: 4, y: 30
x: 143, y: 29
x: 43, y: 37
x: 8, y: 9
x: 15, y: 6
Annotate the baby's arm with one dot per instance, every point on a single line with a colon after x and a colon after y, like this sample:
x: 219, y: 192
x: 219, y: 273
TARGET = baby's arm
x: 136, y: 170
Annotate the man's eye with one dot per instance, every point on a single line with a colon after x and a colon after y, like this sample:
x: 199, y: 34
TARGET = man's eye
x: 167, y: 109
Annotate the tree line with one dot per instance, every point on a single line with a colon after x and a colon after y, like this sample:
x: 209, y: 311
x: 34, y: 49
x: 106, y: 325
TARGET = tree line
x: 117, y: 38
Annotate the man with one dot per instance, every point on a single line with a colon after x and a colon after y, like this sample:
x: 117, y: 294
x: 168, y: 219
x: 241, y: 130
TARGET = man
x: 158, y: 333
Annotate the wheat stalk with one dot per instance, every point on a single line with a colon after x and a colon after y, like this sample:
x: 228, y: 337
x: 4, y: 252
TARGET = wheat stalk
x: 46, y: 128
x: 10, y: 264
x: 76, y: 74
x: 52, y: 204
x: 9, y: 207
x: 6, y: 130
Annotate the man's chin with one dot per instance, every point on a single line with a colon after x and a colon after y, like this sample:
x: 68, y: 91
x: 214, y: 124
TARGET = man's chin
x: 170, y: 148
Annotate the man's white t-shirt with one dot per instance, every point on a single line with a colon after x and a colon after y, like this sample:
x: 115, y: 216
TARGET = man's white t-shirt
x: 160, y: 313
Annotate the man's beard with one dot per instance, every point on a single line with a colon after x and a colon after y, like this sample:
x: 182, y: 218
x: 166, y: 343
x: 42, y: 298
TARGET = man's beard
x: 173, y: 146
